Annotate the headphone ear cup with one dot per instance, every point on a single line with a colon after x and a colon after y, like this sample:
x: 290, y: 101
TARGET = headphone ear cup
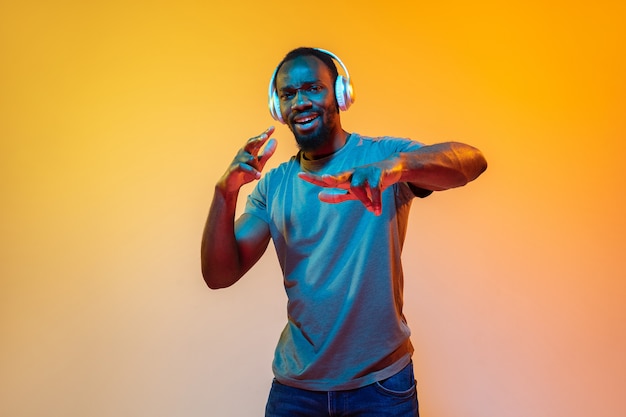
x: 274, y: 106
x: 343, y: 92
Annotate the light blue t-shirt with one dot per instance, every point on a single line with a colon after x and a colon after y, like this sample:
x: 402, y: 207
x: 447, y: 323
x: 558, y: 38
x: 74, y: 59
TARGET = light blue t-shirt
x: 342, y: 271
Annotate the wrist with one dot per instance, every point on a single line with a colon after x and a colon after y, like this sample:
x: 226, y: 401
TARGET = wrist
x: 222, y: 188
x: 394, y: 169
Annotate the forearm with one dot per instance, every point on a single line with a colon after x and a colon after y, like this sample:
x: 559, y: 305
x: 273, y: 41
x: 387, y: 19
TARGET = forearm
x: 441, y: 166
x: 229, y: 248
x: 219, y: 251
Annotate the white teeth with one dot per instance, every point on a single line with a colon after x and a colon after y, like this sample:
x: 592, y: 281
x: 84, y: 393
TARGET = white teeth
x: 306, y: 119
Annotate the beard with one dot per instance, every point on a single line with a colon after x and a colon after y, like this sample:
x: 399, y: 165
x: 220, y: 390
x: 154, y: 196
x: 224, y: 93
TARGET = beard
x: 316, y: 139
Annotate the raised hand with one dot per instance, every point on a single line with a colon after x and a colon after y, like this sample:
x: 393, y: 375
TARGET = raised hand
x: 365, y: 183
x: 249, y: 162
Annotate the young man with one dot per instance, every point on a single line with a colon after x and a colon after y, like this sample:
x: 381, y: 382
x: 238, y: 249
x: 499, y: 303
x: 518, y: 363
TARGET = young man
x: 337, y: 214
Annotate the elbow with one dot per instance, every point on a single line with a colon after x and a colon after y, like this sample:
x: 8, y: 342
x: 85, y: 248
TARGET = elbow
x: 477, y: 167
x: 209, y: 280
x: 214, y: 285
x: 481, y: 162
x: 473, y: 162
x: 214, y: 280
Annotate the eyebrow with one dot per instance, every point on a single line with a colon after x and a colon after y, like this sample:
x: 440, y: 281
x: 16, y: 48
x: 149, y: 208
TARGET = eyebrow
x: 304, y: 84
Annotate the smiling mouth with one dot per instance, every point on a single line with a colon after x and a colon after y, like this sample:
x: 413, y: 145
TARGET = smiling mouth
x: 305, y: 122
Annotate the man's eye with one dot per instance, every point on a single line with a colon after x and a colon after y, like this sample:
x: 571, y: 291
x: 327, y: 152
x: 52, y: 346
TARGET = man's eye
x: 315, y: 88
x: 287, y: 95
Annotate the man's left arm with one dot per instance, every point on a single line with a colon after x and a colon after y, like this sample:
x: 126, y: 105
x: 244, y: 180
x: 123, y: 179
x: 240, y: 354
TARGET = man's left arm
x: 432, y: 167
x: 439, y: 167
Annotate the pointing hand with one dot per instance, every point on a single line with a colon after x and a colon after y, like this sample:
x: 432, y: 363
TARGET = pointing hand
x: 365, y: 183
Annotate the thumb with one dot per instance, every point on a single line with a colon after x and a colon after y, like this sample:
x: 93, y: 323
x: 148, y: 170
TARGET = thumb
x: 335, y: 196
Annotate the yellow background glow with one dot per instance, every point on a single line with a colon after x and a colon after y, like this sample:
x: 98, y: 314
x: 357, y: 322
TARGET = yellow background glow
x: 117, y: 118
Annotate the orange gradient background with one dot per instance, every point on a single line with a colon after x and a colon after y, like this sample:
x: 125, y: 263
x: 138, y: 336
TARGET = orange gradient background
x: 117, y: 118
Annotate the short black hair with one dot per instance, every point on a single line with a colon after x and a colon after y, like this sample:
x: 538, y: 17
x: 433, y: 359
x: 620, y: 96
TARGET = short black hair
x: 307, y: 51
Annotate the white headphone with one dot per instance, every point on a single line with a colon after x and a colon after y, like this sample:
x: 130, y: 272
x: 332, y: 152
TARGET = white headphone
x: 344, y: 93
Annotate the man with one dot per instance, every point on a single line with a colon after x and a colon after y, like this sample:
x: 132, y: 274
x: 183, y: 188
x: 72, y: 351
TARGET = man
x: 337, y: 214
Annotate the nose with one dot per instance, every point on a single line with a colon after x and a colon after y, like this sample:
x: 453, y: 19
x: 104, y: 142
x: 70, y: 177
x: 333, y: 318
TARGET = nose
x: 301, y: 100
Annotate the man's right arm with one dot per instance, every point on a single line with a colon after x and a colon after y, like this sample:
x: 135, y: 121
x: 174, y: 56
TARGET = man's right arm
x: 229, y: 249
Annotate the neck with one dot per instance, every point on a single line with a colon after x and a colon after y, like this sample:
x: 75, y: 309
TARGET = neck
x: 332, y: 145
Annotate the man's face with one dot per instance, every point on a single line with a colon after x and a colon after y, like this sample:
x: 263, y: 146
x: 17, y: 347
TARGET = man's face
x: 307, y: 101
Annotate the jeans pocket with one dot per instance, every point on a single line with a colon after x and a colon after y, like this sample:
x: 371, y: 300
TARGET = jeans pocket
x: 401, y: 384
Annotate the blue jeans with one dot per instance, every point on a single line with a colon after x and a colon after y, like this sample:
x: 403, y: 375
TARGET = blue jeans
x: 392, y: 397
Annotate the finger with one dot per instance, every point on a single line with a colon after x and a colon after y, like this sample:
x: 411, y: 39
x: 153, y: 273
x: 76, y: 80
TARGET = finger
x: 376, y: 201
x: 336, y: 196
x: 249, y: 172
x: 361, y: 193
x: 374, y: 190
x: 267, y: 153
x: 341, y: 180
x: 313, y: 179
x: 339, y: 196
x: 253, y: 145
